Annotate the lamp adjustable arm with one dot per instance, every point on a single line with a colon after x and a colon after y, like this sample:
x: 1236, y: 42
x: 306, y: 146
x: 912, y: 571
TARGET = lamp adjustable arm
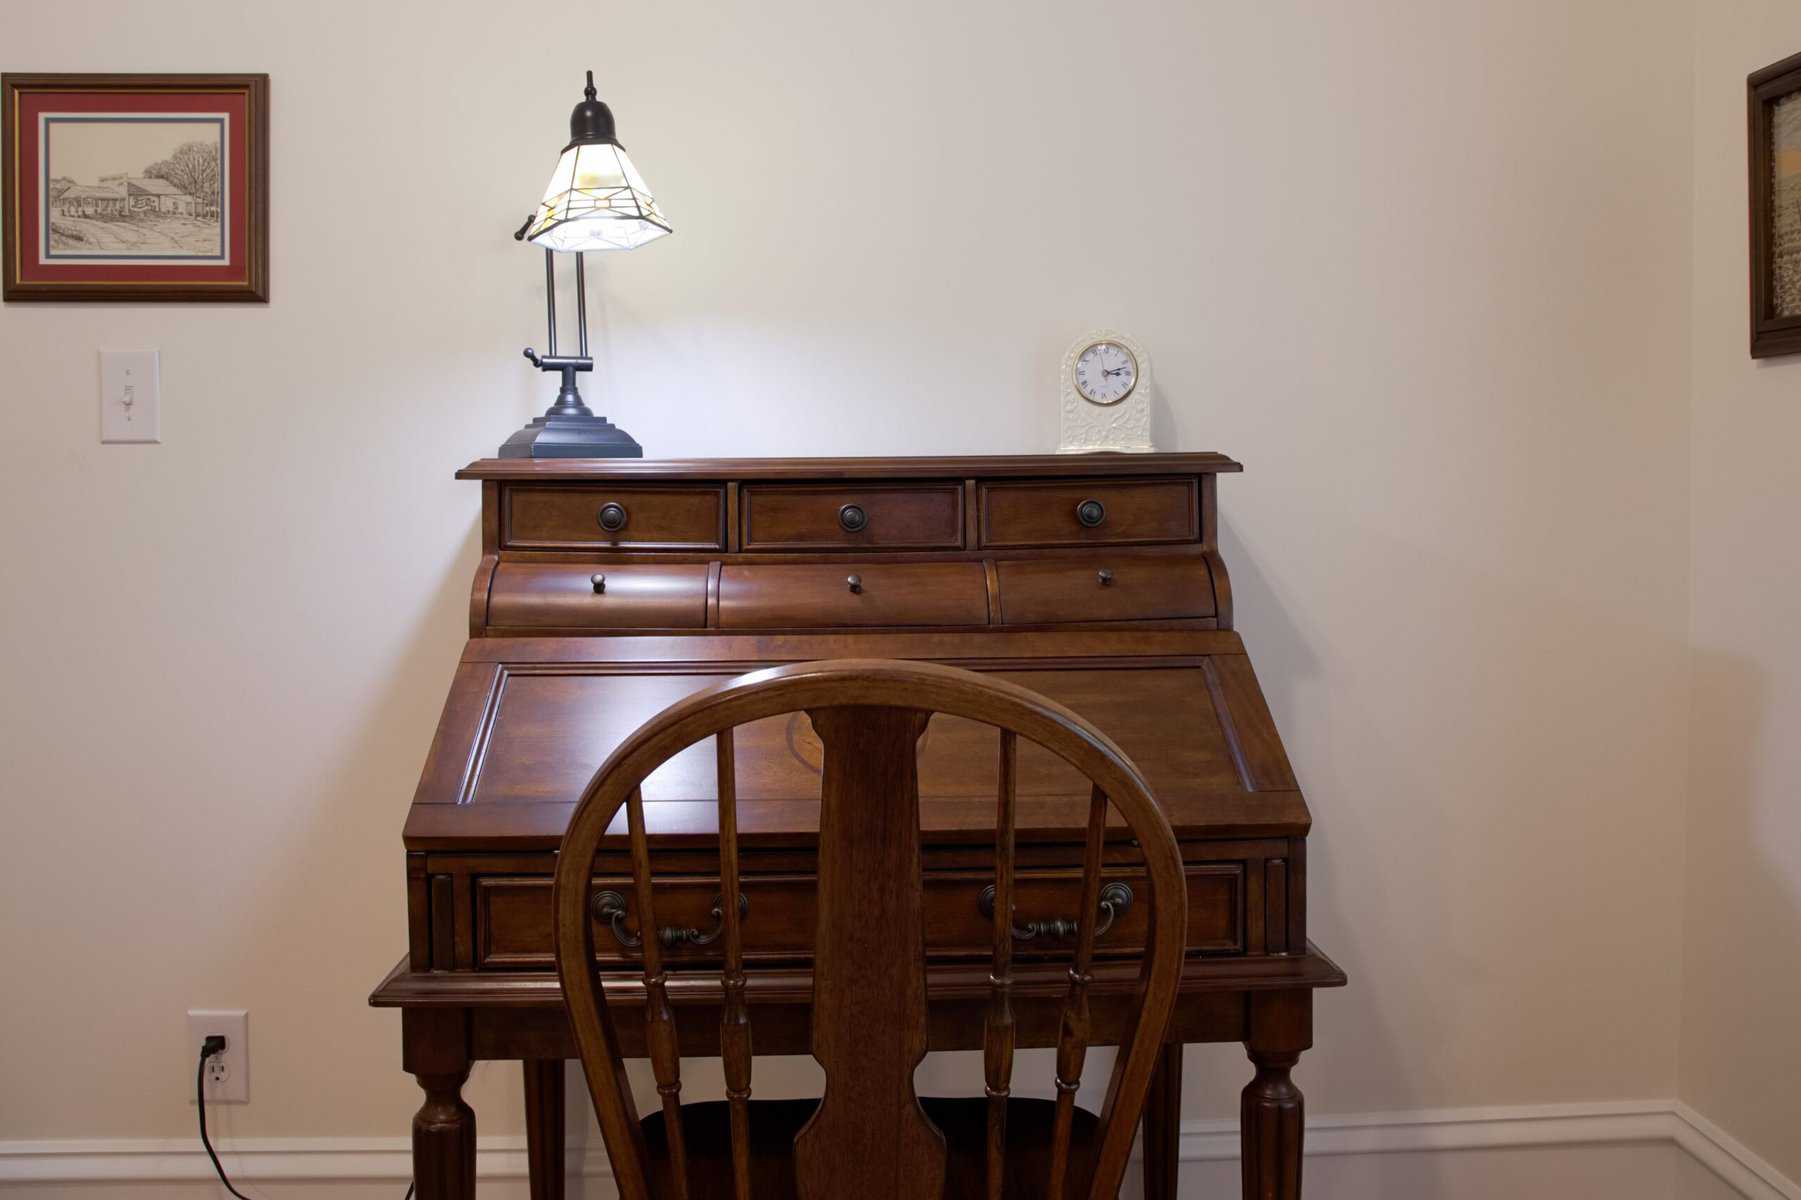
x: 559, y: 362
x: 569, y: 397
x: 550, y: 360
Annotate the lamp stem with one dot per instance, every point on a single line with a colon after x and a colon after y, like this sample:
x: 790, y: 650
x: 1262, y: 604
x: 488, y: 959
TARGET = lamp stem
x: 581, y: 303
x: 550, y: 297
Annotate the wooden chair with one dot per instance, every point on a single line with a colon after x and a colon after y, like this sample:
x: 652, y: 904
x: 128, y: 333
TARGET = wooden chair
x: 870, y: 1137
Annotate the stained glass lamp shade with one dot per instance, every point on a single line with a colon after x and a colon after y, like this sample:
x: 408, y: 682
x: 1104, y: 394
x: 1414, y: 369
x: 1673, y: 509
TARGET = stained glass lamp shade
x: 596, y: 201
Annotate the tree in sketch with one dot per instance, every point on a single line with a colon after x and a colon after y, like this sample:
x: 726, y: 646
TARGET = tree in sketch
x: 167, y: 207
x: 194, y: 170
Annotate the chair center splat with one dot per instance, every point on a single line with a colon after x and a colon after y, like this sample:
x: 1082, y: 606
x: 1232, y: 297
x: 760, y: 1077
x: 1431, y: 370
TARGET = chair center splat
x: 869, y: 990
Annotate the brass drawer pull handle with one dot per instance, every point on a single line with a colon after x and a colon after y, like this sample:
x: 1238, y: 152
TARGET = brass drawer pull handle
x: 1105, y: 576
x: 852, y: 518
x: 1091, y: 513
x: 613, y: 516
x: 1116, y: 898
x: 855, y: 583
x: 609, y: 906
x: 600, y: 584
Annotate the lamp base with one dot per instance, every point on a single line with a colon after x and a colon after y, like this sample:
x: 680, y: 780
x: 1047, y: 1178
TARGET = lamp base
x: 559, y: 435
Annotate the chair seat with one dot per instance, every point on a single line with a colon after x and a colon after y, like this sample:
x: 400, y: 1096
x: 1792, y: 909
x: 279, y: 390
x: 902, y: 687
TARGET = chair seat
x: 773, y: 1124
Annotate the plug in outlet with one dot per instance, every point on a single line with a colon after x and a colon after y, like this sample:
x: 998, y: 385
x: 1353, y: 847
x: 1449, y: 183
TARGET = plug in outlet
x: 227, y: 1072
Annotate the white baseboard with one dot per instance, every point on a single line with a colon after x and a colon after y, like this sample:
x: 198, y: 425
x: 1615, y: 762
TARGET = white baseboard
x: 326, y: 1161
x: 1728, y: 1158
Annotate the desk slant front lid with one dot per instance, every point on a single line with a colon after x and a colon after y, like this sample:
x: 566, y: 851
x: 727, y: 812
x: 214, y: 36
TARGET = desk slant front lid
x: 529, y: 721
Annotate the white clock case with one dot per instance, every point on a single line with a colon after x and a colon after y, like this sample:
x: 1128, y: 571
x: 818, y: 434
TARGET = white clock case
x: 1087, y: 426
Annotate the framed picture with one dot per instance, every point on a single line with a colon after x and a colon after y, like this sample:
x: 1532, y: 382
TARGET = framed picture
x: 136, y: 187
x: 1774, y: 102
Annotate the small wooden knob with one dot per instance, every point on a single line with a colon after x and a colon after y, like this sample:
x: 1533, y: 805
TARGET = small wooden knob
x: 1105, y: 576
x: 855, y: 583
x: 600, y: 583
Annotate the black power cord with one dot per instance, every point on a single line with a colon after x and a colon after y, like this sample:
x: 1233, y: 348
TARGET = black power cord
x: 214, y: 1044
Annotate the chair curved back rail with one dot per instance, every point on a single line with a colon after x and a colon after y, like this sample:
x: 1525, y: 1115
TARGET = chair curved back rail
x: 869, y: 1137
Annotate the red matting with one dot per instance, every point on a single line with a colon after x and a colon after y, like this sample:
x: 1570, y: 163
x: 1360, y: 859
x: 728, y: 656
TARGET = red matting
x: 33, y: 104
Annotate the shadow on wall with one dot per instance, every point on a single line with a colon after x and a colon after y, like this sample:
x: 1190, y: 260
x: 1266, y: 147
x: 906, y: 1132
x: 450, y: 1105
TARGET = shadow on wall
x: 350, y: 830
x: 1743, y: 907
x: 1163, y: 420
x: 1216, y: 1074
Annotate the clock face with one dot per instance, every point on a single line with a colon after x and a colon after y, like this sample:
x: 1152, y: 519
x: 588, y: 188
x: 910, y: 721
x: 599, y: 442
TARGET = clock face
x: 1106, y: 373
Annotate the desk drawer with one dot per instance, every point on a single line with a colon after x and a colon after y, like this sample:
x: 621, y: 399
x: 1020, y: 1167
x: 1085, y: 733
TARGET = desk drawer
x: 632, y: 517
x: 1097, y: 512
x: 839, y: 517
x: 810, y: 595
x: 513, y: 916
x: 567, y: 596
x: 1124, y: 587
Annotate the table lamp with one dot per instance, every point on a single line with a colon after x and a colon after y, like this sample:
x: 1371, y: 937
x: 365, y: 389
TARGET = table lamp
x: 596, y: 201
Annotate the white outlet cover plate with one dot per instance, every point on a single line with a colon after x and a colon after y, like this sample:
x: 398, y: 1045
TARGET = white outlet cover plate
x: 130, y: 396
x: 234, y: 1023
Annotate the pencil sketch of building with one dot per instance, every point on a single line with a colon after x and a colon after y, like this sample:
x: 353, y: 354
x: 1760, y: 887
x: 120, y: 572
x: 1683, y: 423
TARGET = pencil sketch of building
x: 159, y: 195
x: 168, y: 205
x: 84, y: 200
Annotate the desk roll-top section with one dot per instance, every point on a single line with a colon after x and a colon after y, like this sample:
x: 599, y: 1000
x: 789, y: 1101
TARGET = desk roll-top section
x: 609, y: 589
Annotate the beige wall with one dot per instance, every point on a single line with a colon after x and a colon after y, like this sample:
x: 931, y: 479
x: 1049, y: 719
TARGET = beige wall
x: 1741, y: 1048
x: 1422, y: 264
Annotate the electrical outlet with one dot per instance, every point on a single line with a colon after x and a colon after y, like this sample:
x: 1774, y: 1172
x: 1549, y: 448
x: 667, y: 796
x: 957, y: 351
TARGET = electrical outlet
x: 227, y: 1072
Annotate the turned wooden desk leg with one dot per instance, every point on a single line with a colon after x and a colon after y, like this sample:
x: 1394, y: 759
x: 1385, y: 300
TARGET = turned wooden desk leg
x: 1163, y: 1126
x: 544, y: 1127
x: 435, y: 1051
x: 1271, y: 1112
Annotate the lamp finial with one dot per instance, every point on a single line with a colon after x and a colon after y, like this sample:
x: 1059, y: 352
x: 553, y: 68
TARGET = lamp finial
x: 592, y: 120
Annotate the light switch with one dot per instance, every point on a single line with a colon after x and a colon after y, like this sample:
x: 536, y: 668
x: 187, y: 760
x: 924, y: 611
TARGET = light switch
x: 130, y: 396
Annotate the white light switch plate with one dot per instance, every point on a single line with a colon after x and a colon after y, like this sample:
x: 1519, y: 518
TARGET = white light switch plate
x: 130, y: 396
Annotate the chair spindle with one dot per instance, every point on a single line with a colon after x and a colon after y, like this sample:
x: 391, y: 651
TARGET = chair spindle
x: 734, y: 1019
x: 997, y: 1042
x: 1072, y: 1040
x: 659, y: 1020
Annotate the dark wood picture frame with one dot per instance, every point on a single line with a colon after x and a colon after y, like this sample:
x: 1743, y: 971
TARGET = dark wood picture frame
x: 241, y: 205
x: 1772, y: 333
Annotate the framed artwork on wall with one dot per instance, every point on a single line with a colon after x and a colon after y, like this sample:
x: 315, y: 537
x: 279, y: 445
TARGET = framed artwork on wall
x: 1774, y: 102
x: 136, y: 187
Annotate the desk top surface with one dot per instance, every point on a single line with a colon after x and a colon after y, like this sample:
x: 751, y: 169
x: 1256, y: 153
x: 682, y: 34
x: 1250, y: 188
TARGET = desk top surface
x: 911, y: 467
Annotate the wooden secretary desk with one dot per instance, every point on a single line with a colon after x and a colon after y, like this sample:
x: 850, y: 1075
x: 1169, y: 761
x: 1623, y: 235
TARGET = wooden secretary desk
x: 608, y: 589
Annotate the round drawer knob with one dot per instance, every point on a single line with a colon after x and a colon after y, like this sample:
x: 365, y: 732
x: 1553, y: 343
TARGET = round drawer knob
x: 855, y: 583
x: 612, y: 516
x: 1105, y: 576
x: 600, y: 584
x: 1091, y: 513
x: 852, y: 518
